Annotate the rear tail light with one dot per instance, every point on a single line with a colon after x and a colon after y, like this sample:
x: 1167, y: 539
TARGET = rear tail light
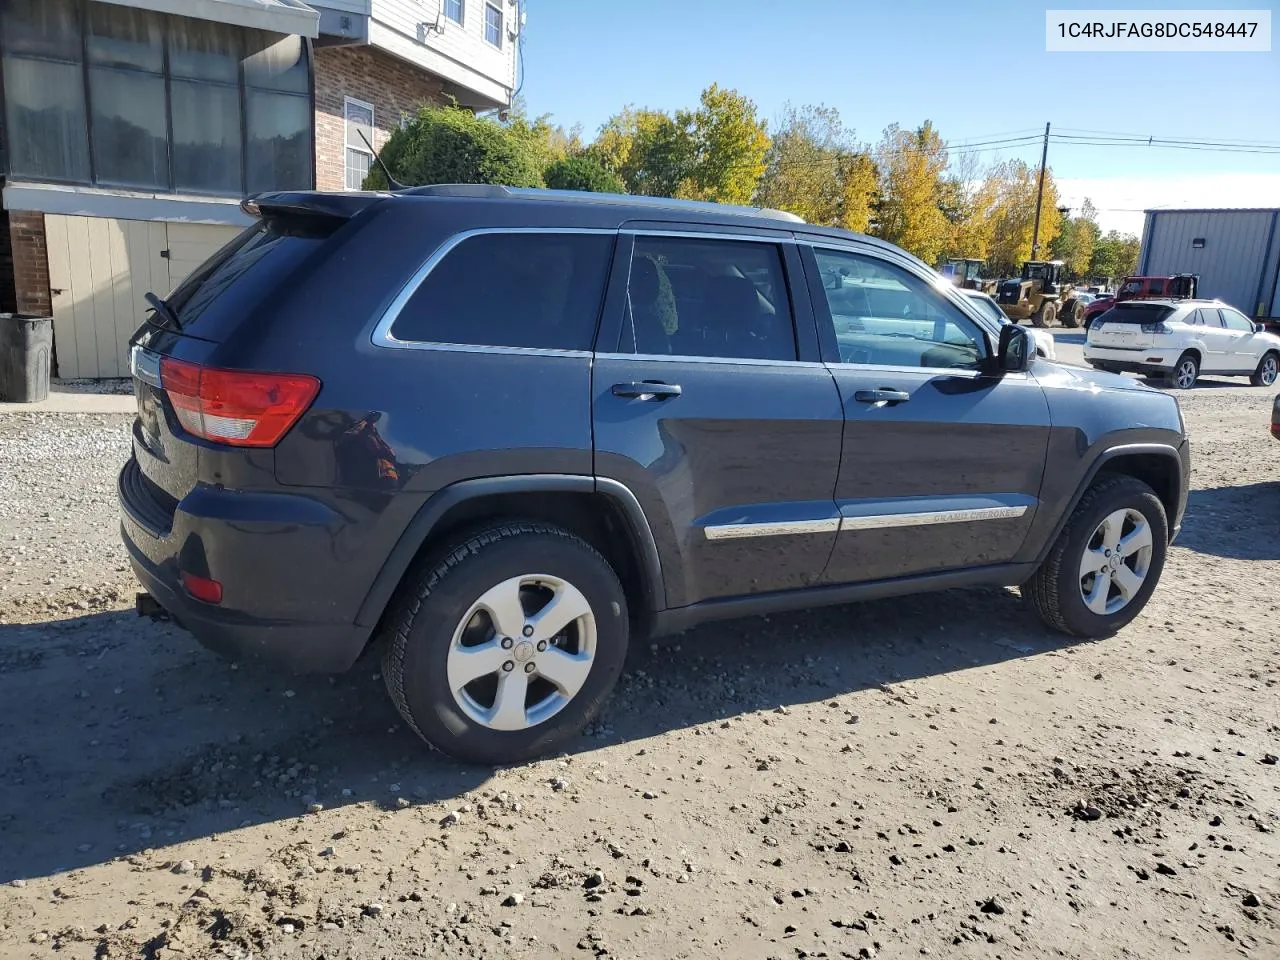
x: 236, y: 407
x: 1158, y: 327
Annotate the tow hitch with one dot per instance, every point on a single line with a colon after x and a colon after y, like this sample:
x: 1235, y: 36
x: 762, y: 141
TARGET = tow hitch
x: 148, y: 606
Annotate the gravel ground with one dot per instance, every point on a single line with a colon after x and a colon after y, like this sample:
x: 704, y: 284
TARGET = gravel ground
x: 931, y: 776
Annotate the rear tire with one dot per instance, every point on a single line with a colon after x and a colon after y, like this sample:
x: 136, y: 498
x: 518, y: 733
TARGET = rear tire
x: 1184, y: 374
x: 1119, y: 514
x: 1268, y: 369
x: 466, y: 661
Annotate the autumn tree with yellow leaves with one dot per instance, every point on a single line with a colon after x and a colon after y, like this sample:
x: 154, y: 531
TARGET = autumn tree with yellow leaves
x: 817, y: 170
x: 912, y: 164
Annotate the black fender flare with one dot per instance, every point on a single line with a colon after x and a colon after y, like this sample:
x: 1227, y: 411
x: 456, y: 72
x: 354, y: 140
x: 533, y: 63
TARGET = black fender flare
x: 1091, y: 474
x: 445, y: 499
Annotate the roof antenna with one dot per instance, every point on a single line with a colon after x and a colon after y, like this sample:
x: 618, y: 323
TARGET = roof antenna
x: 392, y: 181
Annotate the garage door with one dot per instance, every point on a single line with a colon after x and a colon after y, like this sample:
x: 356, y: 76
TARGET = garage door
x: 99, y: 271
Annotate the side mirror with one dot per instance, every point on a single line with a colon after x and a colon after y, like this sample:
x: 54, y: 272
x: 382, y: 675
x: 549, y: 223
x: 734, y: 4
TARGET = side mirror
x: 1259, y: 328
x: 1016, y: 349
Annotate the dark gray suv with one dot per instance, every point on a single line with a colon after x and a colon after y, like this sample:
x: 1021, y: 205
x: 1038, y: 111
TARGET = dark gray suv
x: 502, y: 432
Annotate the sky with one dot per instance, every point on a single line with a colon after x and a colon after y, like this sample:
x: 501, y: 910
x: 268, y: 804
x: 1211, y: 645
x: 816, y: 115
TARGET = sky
x: 978, y: 71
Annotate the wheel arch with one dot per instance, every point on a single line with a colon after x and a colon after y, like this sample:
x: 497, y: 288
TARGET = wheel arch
x: 1157, y: 465
x: 603, y: 512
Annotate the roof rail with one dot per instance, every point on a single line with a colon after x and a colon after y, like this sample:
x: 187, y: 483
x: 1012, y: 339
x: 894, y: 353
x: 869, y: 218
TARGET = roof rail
x: 494, y: 191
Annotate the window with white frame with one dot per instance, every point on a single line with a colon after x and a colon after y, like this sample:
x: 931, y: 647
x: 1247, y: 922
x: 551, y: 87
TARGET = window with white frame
x: 358, y: 117
x: 455, y: 10
x: 493, y: 24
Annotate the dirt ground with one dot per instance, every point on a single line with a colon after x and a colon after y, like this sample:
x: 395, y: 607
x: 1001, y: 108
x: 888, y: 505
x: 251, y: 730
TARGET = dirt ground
x: 936, y: 776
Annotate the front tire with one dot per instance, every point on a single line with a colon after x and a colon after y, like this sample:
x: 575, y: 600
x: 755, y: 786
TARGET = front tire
x: 1105, y: 564
x: 1268, y: 368
x: 507, y: 647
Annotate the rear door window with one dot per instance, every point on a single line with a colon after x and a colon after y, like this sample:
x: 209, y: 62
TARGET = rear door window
x: 530, y: 289
x: 696, y: 297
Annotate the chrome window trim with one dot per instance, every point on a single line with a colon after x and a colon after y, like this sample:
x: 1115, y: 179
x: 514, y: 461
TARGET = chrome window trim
x: 706, y: 235
x: 738, y: 361
x: 382, y: 336
x: 885, y: 520
x: 784, y: 528
x: 967, y: 372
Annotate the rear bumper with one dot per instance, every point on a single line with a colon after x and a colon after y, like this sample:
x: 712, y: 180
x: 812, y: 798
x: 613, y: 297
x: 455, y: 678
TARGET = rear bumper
x: 273, y: 555
x: 1146, y: 360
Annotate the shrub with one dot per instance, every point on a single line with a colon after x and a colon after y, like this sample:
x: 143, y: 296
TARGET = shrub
x: 453, y: 145
x: 583, y: 173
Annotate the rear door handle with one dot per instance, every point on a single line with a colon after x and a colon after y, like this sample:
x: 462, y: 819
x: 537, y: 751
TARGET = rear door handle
x: 647, y: 390
x: 883, y: 395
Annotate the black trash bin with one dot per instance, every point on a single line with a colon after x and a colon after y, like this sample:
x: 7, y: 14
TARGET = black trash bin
x: 26, y: 345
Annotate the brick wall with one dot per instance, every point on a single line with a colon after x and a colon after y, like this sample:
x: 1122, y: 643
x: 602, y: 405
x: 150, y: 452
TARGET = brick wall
x: 30, y: 264
x: 368, y: 74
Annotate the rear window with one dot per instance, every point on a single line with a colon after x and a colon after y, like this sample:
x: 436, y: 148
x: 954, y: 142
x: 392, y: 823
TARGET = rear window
x: 244, y: 271
x: 512, y: 290
x: 1131, y: 312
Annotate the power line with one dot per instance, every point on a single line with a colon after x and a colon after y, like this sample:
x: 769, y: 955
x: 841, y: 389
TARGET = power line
x: 1164, y: 144
x: 1231, y: 141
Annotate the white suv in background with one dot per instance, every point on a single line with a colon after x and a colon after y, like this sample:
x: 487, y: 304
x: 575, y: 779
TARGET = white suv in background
x: 1181, y: 339
x: 1044, y: 339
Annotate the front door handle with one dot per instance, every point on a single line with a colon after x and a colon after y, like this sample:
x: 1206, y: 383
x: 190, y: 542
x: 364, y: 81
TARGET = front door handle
x: 883, y: 395
x: 647, y: 390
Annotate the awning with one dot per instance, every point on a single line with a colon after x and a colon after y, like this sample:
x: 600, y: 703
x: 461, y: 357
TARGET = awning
x: 278, y: 16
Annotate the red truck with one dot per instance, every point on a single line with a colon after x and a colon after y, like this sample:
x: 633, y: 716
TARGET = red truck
x: 1180, y: 285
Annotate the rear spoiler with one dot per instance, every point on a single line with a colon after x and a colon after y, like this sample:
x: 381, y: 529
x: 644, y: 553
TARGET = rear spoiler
x: 309, y: 204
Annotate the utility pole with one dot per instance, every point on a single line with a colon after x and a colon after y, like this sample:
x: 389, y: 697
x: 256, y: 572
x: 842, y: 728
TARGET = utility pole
x: 1035, y: 233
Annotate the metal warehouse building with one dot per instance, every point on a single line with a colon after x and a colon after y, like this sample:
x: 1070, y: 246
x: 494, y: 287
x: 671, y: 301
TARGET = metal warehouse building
x: 1235, y: 252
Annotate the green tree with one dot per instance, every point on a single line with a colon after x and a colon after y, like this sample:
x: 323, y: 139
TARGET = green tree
x: 452, y: 145
x: 909, y: 213
x: 1076, y: 239
x: 582, y: 172
x: 815, y: 169
x: 1115, y: 256
x: 547, y: 142
x: 729, y: 147
x: 715, y: 152
x: 647, y: 149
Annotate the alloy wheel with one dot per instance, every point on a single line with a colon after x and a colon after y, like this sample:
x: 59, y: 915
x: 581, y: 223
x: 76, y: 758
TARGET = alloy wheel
x: 1186, y: 376
x: 1115, y: 562
x: 521, y: 652
x: 1270, y: 367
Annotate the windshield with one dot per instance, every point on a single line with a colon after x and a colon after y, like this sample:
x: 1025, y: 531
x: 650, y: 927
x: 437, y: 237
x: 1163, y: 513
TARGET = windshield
x: 988, y: 307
